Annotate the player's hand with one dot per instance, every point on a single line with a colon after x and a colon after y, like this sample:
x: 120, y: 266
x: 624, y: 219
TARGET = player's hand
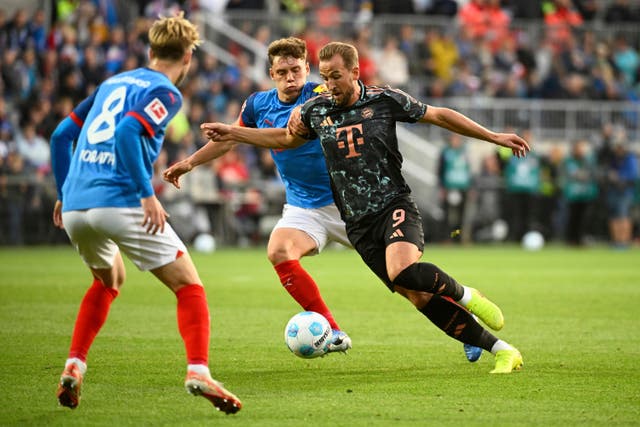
x: 175, y: 171
x: 57, y: 215
x: 217, y: 131
x: 519, y: 147
x: 155, y: 216
x: 295, y: 125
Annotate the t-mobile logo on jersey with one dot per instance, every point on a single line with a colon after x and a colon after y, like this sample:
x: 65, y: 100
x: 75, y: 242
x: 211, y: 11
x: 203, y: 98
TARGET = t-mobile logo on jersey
x: 350, y: 136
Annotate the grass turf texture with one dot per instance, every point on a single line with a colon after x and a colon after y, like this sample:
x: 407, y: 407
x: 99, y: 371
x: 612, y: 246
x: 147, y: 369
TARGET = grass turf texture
x: 570, y: 312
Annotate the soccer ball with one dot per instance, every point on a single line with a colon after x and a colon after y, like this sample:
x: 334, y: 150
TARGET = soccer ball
x: 205, y: 243
x: 533, y: 241
x: 308, y: 334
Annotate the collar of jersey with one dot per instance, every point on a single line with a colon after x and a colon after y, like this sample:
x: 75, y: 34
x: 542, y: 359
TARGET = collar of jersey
x: 363, y: 90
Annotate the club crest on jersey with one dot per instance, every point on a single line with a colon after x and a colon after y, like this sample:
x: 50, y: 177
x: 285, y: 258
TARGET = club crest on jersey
x: 156, y: 110
x: 367, y: 113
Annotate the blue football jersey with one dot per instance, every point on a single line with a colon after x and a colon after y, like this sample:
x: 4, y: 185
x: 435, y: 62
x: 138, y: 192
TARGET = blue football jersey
x: 96, y: 178
x: 303, y: 169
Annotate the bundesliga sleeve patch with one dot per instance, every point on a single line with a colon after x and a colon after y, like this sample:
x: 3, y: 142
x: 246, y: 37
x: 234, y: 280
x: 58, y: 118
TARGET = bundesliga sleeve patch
x: 156, y: 110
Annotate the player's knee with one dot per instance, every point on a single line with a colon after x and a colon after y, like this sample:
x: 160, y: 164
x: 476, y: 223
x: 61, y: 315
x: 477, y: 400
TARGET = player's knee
x: 276, y: 255
x: 113, y: 282
x: 419, y: 276
x: 280, y: 253
x: 420, y: 299
x: 393, y: 271
x: 110, y: 278
x: 417, y: 298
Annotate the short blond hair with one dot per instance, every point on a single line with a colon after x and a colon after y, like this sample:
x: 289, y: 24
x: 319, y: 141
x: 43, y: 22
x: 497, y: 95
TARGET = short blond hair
x: 347, y: 52
x: 172, y: 37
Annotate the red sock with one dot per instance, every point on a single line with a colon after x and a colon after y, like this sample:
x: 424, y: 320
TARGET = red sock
x: 194, y: 323
x: 303, y: 289
x: 92, y: 314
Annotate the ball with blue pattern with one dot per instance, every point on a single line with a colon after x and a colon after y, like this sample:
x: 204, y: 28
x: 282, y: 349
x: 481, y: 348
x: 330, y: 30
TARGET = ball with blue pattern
x: 308, y: 334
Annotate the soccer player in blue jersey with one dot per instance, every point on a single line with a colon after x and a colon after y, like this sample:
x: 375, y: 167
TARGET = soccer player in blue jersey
x: 107, y: 205
x: 309, y: 219
x: 356, y: 125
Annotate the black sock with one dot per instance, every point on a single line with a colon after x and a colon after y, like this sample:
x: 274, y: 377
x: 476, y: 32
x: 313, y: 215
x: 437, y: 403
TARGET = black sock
x: 457, y: 322
x: 426, y: 277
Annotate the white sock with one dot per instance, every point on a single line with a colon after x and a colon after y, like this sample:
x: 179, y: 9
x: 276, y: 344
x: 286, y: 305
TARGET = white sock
x: 199, y: 369
x: 500, y: 345
x: 80, y: 363
x: 466, y: 296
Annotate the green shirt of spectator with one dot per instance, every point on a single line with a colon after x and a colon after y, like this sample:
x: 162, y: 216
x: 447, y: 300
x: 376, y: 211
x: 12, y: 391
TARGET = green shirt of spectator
x: 579, y: 178
x: 456, y: 173
x: 522, y: 175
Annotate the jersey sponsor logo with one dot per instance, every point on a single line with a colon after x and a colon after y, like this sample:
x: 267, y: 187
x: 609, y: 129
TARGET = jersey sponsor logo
x: 367, y: 113
x: 350, y: 137
x: 156, y: 110
x: 99, y: 157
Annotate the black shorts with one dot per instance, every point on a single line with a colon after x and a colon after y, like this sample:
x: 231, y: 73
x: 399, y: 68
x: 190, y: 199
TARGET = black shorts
x: 399, y: 222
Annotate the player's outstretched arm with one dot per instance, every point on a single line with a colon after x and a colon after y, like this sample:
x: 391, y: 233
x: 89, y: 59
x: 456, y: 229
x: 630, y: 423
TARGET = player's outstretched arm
x: 264, y: 137
x: 296, y: 129
x: 459, y: 123
x: 211, y: 150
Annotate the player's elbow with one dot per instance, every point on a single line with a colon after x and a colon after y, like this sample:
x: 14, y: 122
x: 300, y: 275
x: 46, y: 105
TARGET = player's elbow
x: 63, y: 133
x: 436, y: 115
x: 57, y: 135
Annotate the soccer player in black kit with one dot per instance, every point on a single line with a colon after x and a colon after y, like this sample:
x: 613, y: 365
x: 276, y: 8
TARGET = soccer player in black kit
x: 356, y: 125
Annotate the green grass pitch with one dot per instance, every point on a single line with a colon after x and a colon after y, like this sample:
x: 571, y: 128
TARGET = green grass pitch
x: 572, y: 313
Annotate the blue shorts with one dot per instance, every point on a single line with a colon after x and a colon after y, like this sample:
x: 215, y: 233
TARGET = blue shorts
x: 619, y: 203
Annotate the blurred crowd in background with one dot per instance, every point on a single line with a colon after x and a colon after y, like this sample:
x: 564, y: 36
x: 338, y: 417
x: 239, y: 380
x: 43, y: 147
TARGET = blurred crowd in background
x: 574, y: 191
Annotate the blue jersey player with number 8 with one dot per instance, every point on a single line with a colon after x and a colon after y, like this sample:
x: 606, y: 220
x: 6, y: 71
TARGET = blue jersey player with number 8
x: 107, y: 205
